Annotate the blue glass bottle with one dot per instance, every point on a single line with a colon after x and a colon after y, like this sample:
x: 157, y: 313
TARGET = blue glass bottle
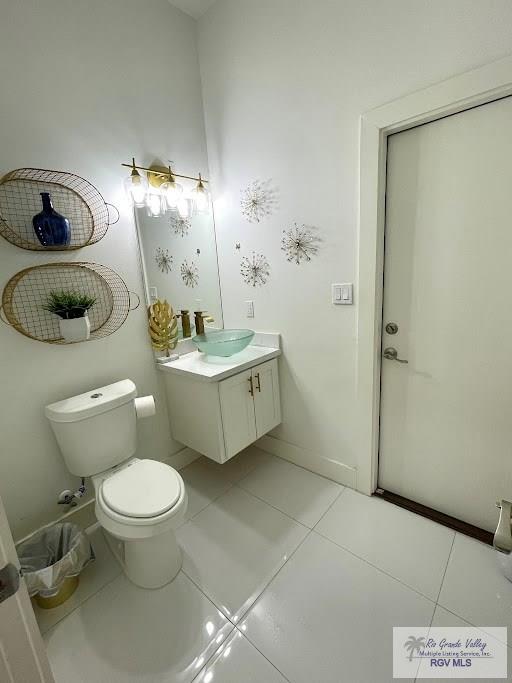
x: 52, y: 229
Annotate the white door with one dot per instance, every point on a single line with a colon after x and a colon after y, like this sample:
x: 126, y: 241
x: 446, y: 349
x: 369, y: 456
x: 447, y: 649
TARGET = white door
x: 446, y: 415
x: 267, y: 404
x: 237, y: 409
x: 22, y: 654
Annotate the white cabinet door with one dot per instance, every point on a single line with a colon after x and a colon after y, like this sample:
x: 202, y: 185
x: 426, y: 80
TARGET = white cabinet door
x: 237, y: 409
x: 266, y: 397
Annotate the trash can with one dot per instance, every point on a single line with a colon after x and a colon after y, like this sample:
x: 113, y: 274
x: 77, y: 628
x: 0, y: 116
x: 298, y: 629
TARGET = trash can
x: 51, y: 562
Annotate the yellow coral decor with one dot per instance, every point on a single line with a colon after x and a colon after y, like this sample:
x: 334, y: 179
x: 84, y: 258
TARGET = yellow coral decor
x: 163, y: 326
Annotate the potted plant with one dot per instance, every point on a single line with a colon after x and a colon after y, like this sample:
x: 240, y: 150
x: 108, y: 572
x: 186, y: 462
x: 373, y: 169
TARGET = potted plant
x: 72, y: 308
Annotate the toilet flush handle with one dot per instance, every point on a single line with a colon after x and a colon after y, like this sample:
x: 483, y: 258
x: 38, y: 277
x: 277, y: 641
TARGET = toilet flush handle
x: 503, y: 536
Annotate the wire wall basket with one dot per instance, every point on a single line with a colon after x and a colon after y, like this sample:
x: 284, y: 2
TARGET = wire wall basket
x: 27, y: 291
x: 72, y: 196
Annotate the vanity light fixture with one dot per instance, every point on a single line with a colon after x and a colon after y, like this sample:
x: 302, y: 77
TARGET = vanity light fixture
x: 171, y: 190
x: 184, y: 207
x: 155, y: 204
x: 165, y: 193
x: 136, y: 186
x: 201, y: 197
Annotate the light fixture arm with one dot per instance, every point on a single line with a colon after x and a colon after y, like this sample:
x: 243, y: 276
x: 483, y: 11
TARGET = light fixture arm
x: 134, y: 168
x: 165, y: 174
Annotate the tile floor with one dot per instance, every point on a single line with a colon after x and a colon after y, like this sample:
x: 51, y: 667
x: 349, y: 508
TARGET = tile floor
x: 286, y: 576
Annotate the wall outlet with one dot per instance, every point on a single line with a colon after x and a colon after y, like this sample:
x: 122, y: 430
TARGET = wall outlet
x: 249, y: 309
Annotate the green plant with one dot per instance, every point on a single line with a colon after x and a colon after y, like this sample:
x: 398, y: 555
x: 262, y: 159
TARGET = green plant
x: 69, y: 304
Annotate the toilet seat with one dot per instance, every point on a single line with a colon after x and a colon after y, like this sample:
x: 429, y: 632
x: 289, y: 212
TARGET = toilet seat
x: 143, y: 490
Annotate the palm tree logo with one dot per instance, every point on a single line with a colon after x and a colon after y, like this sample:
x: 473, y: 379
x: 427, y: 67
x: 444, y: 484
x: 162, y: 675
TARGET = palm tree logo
x: 412, y: 644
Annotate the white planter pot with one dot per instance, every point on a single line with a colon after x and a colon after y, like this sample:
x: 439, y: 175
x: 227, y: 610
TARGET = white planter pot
x: 76, y: 329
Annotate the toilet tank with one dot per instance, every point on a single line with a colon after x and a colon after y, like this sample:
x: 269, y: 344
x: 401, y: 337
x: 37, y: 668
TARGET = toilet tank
x: 96, y: 430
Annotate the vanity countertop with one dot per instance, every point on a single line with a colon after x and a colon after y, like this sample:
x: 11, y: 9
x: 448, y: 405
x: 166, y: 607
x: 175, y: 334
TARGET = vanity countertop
x: 200, y: 367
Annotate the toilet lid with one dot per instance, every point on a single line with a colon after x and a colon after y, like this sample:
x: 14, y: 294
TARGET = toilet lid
x: 146, y: 488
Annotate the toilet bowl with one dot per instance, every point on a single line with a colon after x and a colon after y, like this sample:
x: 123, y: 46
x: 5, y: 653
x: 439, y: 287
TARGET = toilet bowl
x: 139, y: 502
x: 142, y: 503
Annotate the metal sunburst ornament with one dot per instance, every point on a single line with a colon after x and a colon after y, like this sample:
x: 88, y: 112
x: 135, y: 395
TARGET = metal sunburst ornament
x: 163, y: 260
x: 189, y: 274
x: 258, y: 200
x: 300, y: 243
x: 180, y: 226
x: 255, y: 271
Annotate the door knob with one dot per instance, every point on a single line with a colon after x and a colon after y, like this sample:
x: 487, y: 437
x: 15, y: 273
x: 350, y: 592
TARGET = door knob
x: 392, y: 354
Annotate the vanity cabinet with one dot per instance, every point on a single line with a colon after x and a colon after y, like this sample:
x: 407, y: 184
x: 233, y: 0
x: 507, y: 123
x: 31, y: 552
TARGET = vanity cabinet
x: 221, y: 418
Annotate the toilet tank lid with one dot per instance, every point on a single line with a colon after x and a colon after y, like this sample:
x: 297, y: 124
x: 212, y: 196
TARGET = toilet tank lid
x: 92, y: 402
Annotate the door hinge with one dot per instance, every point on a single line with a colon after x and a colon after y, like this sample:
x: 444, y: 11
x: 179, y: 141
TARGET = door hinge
x: 9, y: 581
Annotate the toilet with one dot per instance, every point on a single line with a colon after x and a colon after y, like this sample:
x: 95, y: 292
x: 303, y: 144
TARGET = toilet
x: 139, y: 502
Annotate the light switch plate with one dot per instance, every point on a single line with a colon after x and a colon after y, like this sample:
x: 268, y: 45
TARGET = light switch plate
x: 250, y: 309
x: 342, y: 294
x: 153, y: 293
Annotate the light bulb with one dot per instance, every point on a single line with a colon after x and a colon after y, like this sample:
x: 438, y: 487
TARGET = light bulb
x: 184, y: 207
x: 136, y: 187
x: 201, y: 197
x: 171, y: 190
x: 154, y: 205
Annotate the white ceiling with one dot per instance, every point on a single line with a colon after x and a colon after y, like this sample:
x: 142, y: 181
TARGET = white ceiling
x: 195, y: 8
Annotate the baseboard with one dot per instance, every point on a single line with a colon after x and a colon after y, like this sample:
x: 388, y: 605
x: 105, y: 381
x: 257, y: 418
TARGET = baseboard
x: 81, y: 515
x: 331, y: 469
x: 84, y: 516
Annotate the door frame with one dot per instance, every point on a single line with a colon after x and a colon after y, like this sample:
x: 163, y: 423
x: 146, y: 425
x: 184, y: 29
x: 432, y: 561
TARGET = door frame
x: 473, y: 88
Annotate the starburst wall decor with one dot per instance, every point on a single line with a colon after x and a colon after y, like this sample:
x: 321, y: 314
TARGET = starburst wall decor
x: 255, y: 271
x: 163, y: 260
x: 258, y: 200
x: 180, y: 226
x: 300, y: 243
x: 189, y: 274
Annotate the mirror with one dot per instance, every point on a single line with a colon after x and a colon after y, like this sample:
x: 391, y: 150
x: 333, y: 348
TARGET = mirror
x: 179, y: 260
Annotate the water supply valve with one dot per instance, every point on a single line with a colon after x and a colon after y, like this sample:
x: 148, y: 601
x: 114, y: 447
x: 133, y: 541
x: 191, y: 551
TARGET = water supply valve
x: 68, y: 497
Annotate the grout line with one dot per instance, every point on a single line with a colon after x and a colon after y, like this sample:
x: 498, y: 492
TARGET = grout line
x: 267, y: 584
x: 446, y: 568
x: 81, y: 604
x: 251, y: 600
x: 231, y: 483
x: 330, y: 506
x: 189, y: 519
x: 301, y: 467
x: 253, y: 495
x: 428, y: 632
x: 262, y: 654
x: 382, y: 571
x: 208, y: 597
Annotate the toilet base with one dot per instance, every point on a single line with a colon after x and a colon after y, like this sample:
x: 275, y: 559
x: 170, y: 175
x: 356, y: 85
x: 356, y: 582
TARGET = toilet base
x: 151, y: 562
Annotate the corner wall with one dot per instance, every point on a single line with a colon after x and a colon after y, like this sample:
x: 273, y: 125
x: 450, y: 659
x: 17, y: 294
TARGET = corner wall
x: 284, y: 85
x: 84, y: 87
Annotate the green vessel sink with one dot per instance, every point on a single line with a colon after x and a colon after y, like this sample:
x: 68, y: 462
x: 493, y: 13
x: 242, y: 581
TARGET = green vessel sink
x: 223, y: 342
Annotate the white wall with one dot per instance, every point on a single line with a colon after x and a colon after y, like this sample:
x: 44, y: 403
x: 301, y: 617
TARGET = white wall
x: 85, y: 86
x: 284, y: 85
